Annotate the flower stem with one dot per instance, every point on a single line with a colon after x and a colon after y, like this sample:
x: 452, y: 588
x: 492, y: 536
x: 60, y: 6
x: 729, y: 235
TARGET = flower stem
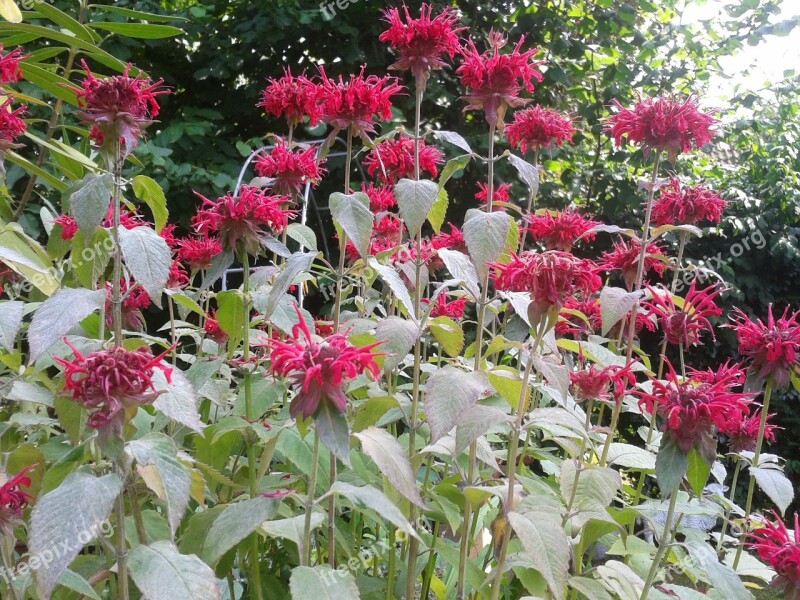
x: 728, y: 512
x: 116, y: 290
x: 122, y: 545
x: 662, y: 547
x: 756, y: 456
x: 312, y: 486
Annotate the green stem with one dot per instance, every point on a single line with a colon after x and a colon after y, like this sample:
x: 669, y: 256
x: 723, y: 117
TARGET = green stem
x: 312, y: 486
x: 728, y: 512
x: 391, y: 574
x: 116, y: 290
x: 662, y: 547
x: 122, y: 545
x: 429, y: 568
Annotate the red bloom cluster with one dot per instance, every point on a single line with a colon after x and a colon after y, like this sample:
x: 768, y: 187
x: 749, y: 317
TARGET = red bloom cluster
x: 198, y: 251
x: 608, y: 383
x: 538, y: 127
x: 780, y: 550
x: 167, y: 233
x: 319, y: 370
x: 392, y: 160
x: 381, y: 198
x: 453, y: 240
x: 178, y: 277
x: 293, y: 98
x: 355, y: 104
x: 499, y: 194
x: 127, y: 218
x: 387, y: 233
x: 14, y: 500
x: 106, y: 382
x: 11, y: 125
x: 9, y: 65
x: 662, y: 124
x: 291, y: 169
x: 742, y: 431
x: 243, y: 219
x: 624, y: 257
x: 683, y: 324
x: 421, y: 43
x: 687, y: 206
x: 119, y: 106
x: 212, y: 329
x: 493, y: 80
x: 134, y: 300
x: 442, y: 308
x: 560, y: 230
x: 773, y: 349
x: 69, y: 226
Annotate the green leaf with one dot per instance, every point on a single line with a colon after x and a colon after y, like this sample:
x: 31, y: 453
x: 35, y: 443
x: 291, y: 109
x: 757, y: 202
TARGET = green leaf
x: 453, y: 166
x: 11, y: 313
x: 219, y: 264
x: 461, y: 269
x: 72, y: 581
x: 234, y: 523
x: 296, y: 264
x: 302, y: 234
x: 722, y: 577
x: 322, y: 583
x: 475, y: 422
x: 414, y: 201
x: 775, y: 485
x: 448, y: 334
x: 60, y: 313
x: 591, y: 588
x: 145, y: 31
x: 148, y: 191
x: 398, y: 336
x: 333, y: 430
x: 392, y: 279
x: 486, y: 235
x: 177, y: 398
x: 351, y: 212
x: 292, y: 529
x: 439, y: 210
x: 631, y: 457
x: 615, y: 304
x: 547, y: 547
x: 185, y: 301
x: 391, y: 459
x: 64, y: 20
x: 25, y: 257
x: 527, y: 172
x: 375, y: 500
x: 593, y: 486
x: 136, y: 14
x: 671, y: 465
x: 149, y: 259
x: 451, y: 137
x: 67, y: 518
x: 697, y: 472
x: 231, y: 315
x: 449, y: 392
x: 162, y: 573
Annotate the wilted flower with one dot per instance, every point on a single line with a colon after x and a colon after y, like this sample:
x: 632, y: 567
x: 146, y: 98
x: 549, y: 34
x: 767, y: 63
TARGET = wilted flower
x: 682, y: 323
x: 212, y: 329
x: 357, y: 103
x: 243, y: 219
x: 603, y: 384
x: 393, y: 159
x: 69, y: 226
x: 381, y: 197
x: 319, y: 369
x: 493, y: 80
x: 291, y: 169
x: 538, y: 127
x: 421, y: 43
x: 198, y: 251
x: 662, y: 124
x: 742, y: 431
x: 119, y: 106
x: 625, y: 257
x: 780, y: 550
x: 9, y: 65
x: 107, y: 382
x: 772, y: 348
x: 560, y: 230
x: 686, y: 205
x: 11, y: 126
x: 442, y: 308
x: 13, y: 500
x: 293, y: 98
x: 134, y: 300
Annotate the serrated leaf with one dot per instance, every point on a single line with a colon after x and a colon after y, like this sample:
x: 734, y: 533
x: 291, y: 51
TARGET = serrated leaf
x: 451, y: 137
x: 162, y: 573
x: 231, y: 314
x: 448, y: 334
x: 592, y: 486
x: 414, y: 201
x: 630, y: 457
x: 722, y: 577
x: 392, y: 279
x: 148, y: 258
x: 462, y: 269
x: 451, y: 167
x: 474, y: 422
x: 546, y: 545
x: 89, y: 201
x: 697, y: 472
x: 775, y: 485
x: 177, y: 398
x: 322, y: 583
x: 302, y: 234
x: 391, y: 459
x: 449, y: 392
x: 398, y: 336
x: 60, y: 313
x: 375, y: 500
x: 297, y: 263
x: 234, y: 523
x: 351, y: 212
x: 11, y: 313
x: 527, y: 172
x: 671, y: 465
x: 486, y: 235
x: 615, y: 304
x: 439, y: 210
x: 333, y: 430
x: 284, y: 317
x: 148, y: 191
x: 69, y: 514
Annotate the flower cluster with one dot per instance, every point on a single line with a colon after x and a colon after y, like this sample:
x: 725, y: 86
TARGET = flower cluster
x: 381, y: 197
x: 624, y: 257
x: 198, y: 251
x: 780, y: 550
x: 11, y: 125
x: 10, y: 71
x: 682, y: 323
x: 293, y: 98
x: 686, y: 205
x: 290, y: 169
x: 560, y: 230
x: 772, y: 348
x: 13, y: 500
x: 536, y: 127
x: 134, y: 300
x: 603, y: 384
x: 453, y: 309
x: 392, y: 160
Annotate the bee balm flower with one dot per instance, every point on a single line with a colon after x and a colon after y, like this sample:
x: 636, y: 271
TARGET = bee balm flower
x: 773, y: 348
x: 392, y: 160
x: 780, y: 550
x: 13, y: 500
x: 293, y: 98
x: 686, y: 205
x: 537, y: 127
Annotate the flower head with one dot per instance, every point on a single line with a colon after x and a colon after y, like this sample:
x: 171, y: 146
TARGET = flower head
x: 69, y: 226
x: 494, y: 80
x: 13, y: 500
x: 243, y: 219
x: 319, y: 369
x: 127, y: 218
x: 624, y: 257
x: 357, y: 103
x: 135, y: 299
x: 773, y: 348
x: 393, y: 159
x: 294, y: 98
x: 291, y: 169
x: 537, y: 127
x: 198, y: 251
x: 9, y: 65
x: 442, y: 308
x: 212, y: 329
x: 686, y: 205
x: 453, y: 240
x: 560, y: 230
x: 167, y: 233
x: 500, y: 193
x: 742, y: 431
x: 683, y: 322
x: 604, y: 384
x: 780, y: 550
x: 11, y: 125
x: 381, y: 197
x: 387, y: 233
x: 178, y: 278
x: 107, y: 382
x: 663, y: 123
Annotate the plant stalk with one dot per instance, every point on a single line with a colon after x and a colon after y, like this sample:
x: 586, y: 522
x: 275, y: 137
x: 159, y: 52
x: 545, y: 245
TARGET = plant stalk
x: 662, y: 547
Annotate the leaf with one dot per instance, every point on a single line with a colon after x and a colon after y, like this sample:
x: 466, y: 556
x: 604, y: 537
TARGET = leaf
x: 721, y: 576
x: 63, y: 20
x: 392, y: 279
x: 486, y: 235
x: 451, y: 137
x: 60, y: 313
x: 148, y: 258
x: 527, y: 172
x: 439, y: 210
x: 172, y: 480
x: 9, y: 11
x: 615, y: 304
x: 448, y: 334
x: 591, y: 588
x: 26, y: 257
x: 697, y: 472
x: 234, y: 523
x: 671, y: 465
x: 414, y: 201
x: 148, y: 191
x: 71, y: 515
x: 630, y: 457
x: 162, y: 573
x: 351, y: 212
x: 333, y: 430
x: 231, y: 314
x: 547, y: 547
x: 284, y: 317
x: 71, y: 580
x: 449, y: 392
x: 177, y: 398
x: 219, y: 265
x: 462, y: 269
x: 11, y: 313
x: 775, y: 485
x: 292, y: 529
x: 375, y: 500
x: 592, y: 486
x: 145, y: 31
x: 621, y: 580
x: 89, y: 202
x: 322, y: 583
x: 391, y: 459
x: 297, y: 263
x: 398, y: 336
x: 453, y: 166
x: 302, y: 234
x: 474, y: 422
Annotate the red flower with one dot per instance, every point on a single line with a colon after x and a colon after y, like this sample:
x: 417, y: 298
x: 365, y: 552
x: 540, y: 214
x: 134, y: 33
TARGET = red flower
x: 453, y: 240
x: 392, y: 160
x: 293, y: 98
x: 244, y: 218
x: 381, y: 198
x: 198, y: 251
x: 11, y: 125
x: 168, y: 235
x: 69, y: 227
x: 13, y: 500
x: 356, y: 104
x: 608, y: 383
x: 212, y: 329
x: 499, y: 194
x: 560, y: 230
x: 134, y: 300
x: 319, y: 370
x: 574, y: 324
x: 127, y: 218
x: 730, y: 374
x: 538, y: 127
x: 421, y: 43
x: 683, y: 324
x: 442, y: 308
x: 625, y: 257
x: 323, y: 328
x: 178, y: 278
x: 493, y: 80
x: 662, y: 124
x: 773, y: 348
x: 742, y: 431
x: 691, y: 409
x: 687, y: 206
x: 550, y: 278
x: 387, y: 233
x: 780, y: 550
x: 106, y: 382
x: 291, y: 169
x: 9, y: 65
x: 119, y: 106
